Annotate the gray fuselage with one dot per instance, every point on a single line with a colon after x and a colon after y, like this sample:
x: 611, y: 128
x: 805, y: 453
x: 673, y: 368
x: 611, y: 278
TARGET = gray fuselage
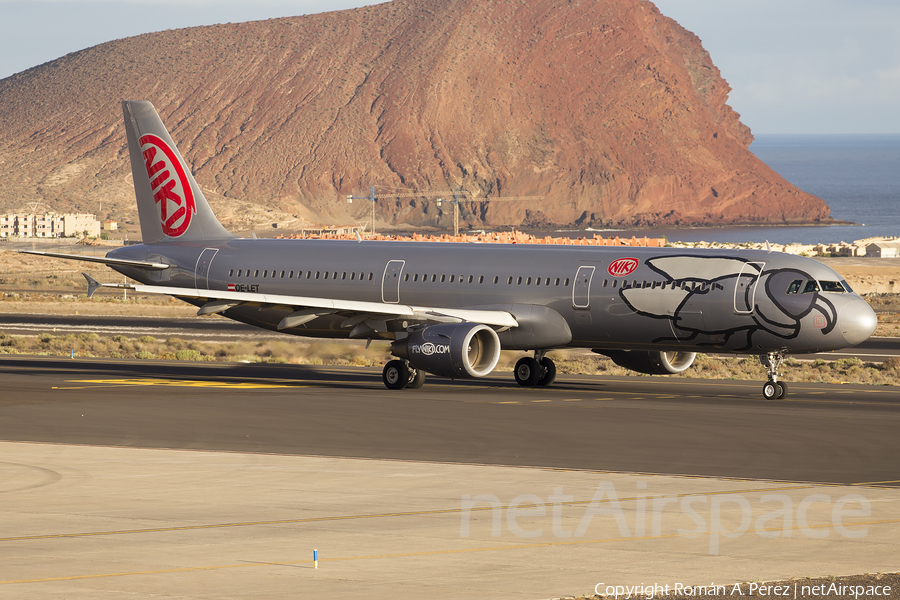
x: 608, y: 297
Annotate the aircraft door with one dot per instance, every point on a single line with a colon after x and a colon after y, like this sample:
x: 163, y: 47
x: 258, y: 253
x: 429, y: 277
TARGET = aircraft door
x: 581, y: 290
x: 201, y: 271
x: 390, y: 284
x: 745, y: 288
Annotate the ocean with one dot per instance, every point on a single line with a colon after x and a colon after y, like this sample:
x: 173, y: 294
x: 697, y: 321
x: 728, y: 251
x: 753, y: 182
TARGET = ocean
x: 858, y: 176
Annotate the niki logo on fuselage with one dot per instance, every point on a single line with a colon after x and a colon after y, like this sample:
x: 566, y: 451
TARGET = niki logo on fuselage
x: 170, y: 186
x: 623, y: 267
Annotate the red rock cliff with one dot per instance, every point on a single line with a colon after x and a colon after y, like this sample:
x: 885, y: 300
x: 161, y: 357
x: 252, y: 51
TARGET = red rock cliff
x: 611, y: 111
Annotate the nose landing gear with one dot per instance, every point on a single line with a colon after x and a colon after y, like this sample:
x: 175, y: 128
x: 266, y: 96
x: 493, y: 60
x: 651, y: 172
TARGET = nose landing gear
x: 537, y: 371
x: 773, y: 389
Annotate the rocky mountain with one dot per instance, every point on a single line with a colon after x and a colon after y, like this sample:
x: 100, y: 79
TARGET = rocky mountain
x: 610, y: 111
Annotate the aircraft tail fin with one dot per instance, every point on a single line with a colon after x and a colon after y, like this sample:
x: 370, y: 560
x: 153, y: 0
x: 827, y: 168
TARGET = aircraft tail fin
x: 171, y: 206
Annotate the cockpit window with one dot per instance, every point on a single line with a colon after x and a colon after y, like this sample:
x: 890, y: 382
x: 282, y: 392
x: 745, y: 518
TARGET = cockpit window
x: 832, y: 286
x: 846, y: 286
x: 811, y: 286
x: 795, y: 286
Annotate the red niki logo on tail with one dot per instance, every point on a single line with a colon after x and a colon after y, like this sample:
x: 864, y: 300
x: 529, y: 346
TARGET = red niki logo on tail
x: 623, y: 267
x: 170, y: 186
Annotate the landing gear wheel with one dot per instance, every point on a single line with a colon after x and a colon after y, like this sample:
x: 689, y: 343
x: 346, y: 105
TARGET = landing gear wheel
x: 417, y: 380
x: 773, y: 389
x: 396, y: 375
x: 549, y: 376
x: 782, y: 390
x: 528, y: 372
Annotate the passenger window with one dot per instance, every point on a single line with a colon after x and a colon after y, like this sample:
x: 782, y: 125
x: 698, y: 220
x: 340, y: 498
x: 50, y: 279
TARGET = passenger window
x: 443, y: 278
x: 256, y: 273
x: 528, y: 281
x: 567, y: 282
x: 519, y: 281
x: 415, y: 277
x: 434, y: 278
x: 795, y: 286
x: 557, y: 282
x: 471, y: 278
x: 230, y: 272
x: 291, y: 275
x: 344, y: 275
x: 452, y: 278
x: 832, y: 286
x: 353, y: 276
x: 326, y: 275
x: 481, y: 279
x: 370, y: 276
x: 605, y: 283
x: 496, y: 280
x: 509, y: 281
x: 266, y: 273
x: 406, y: 277
x: 615, y: 283
x: 811, y: 286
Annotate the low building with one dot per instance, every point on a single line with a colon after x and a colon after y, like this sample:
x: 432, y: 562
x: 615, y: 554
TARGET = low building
x: 883, y: 249
x: 49, y: 225
x: 110, y: 226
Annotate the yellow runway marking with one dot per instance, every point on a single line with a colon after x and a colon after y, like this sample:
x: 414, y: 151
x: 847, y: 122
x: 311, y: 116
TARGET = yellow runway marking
x: 401, y: 555
x: 181, y: 383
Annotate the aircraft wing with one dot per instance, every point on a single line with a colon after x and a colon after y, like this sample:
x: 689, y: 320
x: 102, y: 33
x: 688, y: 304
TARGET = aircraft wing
x: 307, y: 308
x: 121, y: 262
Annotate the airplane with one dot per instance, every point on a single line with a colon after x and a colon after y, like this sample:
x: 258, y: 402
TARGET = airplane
x: 449, y: 309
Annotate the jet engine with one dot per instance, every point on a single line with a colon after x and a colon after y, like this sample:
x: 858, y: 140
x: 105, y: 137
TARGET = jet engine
x: 457, y: 350
x: 651, y: 363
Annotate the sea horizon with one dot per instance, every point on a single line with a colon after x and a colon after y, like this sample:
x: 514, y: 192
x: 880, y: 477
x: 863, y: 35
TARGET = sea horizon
x: 857, y: 175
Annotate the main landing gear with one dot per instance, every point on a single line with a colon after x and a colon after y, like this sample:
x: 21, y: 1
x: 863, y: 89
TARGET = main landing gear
x: 399, y: 374
x: 537, y: 371
x: 773, y: 389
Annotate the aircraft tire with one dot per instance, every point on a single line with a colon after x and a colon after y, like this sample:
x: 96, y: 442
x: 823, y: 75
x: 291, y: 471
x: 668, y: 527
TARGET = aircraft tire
x: 549, y: 376
x: 782, y: 390
x: 528, y: 372
x: 396, y: 375
x: 417, y: 380
x: 770, y: 390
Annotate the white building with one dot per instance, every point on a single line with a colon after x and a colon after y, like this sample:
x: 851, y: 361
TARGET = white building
x: 883, y: 249
x: 49, y: 225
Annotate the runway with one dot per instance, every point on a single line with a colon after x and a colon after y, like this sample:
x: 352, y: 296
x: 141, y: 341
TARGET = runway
x: 822, y: 433
x: 219, y: 480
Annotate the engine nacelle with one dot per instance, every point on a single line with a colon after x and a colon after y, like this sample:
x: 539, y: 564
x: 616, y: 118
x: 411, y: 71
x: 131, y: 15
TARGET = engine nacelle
x: 651, y: 363
x: 454, y: 350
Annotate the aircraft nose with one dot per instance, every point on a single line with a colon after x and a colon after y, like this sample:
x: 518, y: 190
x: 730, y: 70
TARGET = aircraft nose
x: 857, y: 321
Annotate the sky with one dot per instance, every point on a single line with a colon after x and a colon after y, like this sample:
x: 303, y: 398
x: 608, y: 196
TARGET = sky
x: 801, y: 66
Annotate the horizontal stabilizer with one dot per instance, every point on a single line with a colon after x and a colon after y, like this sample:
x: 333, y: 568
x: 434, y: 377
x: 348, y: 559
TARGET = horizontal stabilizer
x: 118, y: 262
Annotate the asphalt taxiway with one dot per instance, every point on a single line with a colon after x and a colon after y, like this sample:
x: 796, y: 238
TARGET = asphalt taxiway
x: 214, y: 480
